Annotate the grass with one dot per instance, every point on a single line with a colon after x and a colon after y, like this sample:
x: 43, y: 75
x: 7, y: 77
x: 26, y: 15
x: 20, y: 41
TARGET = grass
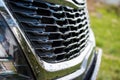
x: 106, y: 26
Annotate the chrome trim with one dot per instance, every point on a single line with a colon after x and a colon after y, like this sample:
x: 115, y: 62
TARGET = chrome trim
x: 71, y: 3
x: 97, y: 66
x: 77, y: 2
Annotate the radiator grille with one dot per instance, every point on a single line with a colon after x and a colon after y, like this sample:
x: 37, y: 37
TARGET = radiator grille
x: 57, y: 33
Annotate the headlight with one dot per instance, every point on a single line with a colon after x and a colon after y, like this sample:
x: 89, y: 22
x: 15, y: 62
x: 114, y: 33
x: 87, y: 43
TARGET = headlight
x: 11, y: 56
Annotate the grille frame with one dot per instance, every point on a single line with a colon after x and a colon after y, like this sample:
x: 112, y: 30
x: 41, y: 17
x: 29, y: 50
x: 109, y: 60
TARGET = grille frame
x: 46, y: 41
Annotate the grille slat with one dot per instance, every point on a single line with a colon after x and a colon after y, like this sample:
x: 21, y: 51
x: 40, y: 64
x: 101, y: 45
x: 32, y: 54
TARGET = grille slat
x: 23, y: 5
x: 57, y: 33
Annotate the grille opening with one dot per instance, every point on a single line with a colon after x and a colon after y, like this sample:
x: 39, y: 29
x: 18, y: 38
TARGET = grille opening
x: 42, y: 54
x: 62, y: 23
x: 82, y: 41
x: 81, y: 31
x: 54, y: 36
x: 21, y: 6
x: 71, y: 21
x: 72, y: 54
x: 35, y: 32
x: 73, y: 28
x: 38, y: 38
x: 74, y: 34
x: 75, y: 10
x: 34, y: 24
x: 60, y: 57
x: 86, y: 28
x: 80, y: 26
x: 82, y: 47
x: 29, y: 15
x: 57, y: 43
x: 75, y: 40
x: 25, y: 1
x: 70, y: 48
x: 24, y: 19
x: 29, y: 26
x: 43, y: 12
x: 70, y: 15
x: 58, y: 50
x: 82, y: 14
x: 78, y: 20
x: 87, y: 32
x: 77, y: 15
x: 45, y: 20
x: 40, y: 30
x: 67, y: 43
x: 42, y: 47
x: 68, y: 9
x: 81, y: 37
x: 60, y: 15
x: 63, y: 30
x: 46, y: 58
x: 39, y: 4
x: 84, y: 19
x: 66, y: 36
x: 51, y: 29
x: 56, y: 8
x: 32, y: 35
x: 85, y: 23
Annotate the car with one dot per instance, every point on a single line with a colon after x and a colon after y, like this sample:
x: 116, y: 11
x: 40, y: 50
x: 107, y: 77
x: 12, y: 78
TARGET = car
x: 47, y: 40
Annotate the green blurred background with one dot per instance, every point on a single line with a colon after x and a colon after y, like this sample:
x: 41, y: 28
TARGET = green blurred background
x: 105, y: 22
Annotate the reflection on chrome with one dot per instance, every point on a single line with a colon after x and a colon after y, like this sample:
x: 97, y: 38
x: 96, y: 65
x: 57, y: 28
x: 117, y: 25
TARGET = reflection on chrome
x: 70, y: 3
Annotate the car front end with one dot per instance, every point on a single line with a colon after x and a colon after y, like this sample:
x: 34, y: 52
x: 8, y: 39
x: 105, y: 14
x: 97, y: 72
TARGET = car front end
x: 47, y: 40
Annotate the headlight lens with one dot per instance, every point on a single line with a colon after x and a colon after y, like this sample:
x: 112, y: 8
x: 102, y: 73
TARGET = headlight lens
x: 12, y: 59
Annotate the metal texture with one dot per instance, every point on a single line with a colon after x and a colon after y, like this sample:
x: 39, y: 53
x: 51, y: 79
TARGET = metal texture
x: 76, y: 4
x: 57, y: 33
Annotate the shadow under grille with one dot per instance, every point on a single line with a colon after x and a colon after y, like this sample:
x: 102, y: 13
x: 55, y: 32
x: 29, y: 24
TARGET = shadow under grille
x: 57, y: 33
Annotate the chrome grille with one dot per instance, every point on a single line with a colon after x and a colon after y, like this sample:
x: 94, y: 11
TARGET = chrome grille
x: 56, y: 33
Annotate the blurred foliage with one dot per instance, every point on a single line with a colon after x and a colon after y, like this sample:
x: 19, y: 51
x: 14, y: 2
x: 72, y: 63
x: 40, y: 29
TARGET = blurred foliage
x: 105, y: 22
x: 114, y: 8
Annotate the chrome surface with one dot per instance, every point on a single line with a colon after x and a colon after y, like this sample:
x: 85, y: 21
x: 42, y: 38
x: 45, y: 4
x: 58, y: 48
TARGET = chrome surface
x: 97, y: 66
x: 71, y: 3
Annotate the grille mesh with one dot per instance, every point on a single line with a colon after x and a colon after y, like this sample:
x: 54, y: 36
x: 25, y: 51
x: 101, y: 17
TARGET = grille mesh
x: 56, y: 32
